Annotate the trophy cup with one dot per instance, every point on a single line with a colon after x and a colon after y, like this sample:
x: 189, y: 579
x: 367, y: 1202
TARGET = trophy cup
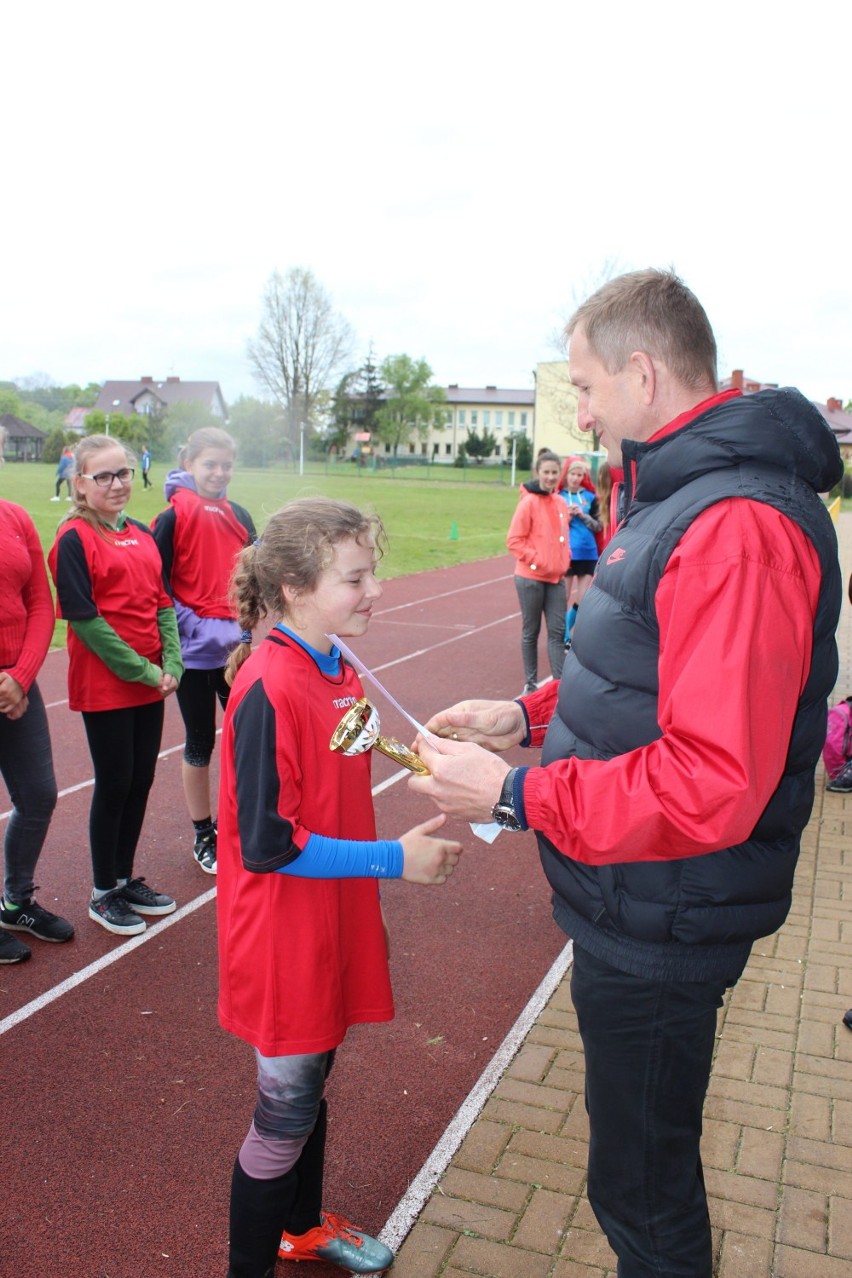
x: 358, y: 731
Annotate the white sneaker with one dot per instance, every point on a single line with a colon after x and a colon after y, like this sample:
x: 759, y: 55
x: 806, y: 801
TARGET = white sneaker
x: 54, y: 499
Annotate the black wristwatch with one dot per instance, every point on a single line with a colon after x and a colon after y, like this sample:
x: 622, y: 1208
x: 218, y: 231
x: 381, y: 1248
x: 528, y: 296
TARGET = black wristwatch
x: 503, y: 811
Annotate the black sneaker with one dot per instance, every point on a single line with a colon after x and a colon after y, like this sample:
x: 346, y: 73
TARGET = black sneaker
x: 204, y: 850
x: 31, y: 917
x: 114, y: 913
x: 12, y: 950
x: 842, y: 783
x: 145, y: 900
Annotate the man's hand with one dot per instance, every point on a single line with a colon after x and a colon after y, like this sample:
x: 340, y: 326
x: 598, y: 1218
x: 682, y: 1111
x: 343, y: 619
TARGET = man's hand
x: 495, y: 725
x: 466, y: 780
x: 428, y: 860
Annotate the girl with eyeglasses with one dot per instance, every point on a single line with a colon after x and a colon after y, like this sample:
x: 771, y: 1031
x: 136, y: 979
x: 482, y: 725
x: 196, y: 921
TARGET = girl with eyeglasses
x: 123, y: 661
x: 200, y: 535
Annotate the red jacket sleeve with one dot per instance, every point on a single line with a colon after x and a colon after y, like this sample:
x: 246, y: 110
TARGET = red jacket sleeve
x: 41, y: 617
x: 736, y: 608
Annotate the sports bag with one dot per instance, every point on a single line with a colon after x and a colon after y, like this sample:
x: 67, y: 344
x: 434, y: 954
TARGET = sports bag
x: 837, y: 750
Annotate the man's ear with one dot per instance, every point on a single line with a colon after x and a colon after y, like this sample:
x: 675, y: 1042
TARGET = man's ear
x: 644, y: 372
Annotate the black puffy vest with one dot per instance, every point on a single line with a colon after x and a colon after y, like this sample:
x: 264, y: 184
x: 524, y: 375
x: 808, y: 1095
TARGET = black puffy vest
x: 694, y: 918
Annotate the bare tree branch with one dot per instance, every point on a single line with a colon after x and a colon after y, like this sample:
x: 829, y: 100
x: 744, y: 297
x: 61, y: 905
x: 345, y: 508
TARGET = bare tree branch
x: 301, y: 342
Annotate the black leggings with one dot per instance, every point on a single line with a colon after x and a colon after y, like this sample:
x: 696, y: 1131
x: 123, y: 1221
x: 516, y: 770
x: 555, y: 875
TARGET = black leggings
x: 124, y: 745
x: 197, y: 695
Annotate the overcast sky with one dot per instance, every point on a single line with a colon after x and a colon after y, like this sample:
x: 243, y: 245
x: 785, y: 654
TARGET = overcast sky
x: 457, y: 175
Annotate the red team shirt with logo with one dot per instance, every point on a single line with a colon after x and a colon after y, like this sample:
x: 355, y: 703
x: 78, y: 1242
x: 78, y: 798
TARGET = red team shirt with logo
x: 300, y: 960
x: 125, y: 579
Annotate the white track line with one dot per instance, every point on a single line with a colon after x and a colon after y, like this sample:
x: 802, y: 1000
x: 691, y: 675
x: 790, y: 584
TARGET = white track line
x: 86, y: 785
x: 411, y: 1204
x: 121, y: 951
x: 446, y: 594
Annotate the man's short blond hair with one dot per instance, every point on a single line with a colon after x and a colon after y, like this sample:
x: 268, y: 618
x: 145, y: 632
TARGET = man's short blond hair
x: 651, y: 311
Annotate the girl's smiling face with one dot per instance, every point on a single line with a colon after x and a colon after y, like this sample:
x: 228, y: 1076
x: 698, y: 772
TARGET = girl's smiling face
x: 212, y: 470
x: 342, y: 601
x: 107, y: 502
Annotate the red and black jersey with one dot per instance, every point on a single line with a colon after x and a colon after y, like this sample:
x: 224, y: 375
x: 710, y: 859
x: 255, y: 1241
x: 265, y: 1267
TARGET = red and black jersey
x: 300, y: 960
x: 116, y: 575
x: 199, y: 539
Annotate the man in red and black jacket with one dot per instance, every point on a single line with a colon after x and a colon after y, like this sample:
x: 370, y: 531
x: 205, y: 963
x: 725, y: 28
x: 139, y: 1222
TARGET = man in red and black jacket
x: 678, y: 751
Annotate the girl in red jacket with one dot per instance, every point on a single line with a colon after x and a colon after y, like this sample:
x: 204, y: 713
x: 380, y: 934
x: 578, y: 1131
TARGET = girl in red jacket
x: 26, y: 760
x: 123, y: 661
x: 538, y: 538
x: 302, y: 948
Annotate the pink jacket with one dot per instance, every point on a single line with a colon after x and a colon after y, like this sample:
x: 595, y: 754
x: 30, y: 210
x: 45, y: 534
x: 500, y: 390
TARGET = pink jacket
x: 538, y: 536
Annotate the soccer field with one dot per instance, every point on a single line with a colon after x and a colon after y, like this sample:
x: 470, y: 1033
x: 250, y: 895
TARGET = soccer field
x: 432, y: 521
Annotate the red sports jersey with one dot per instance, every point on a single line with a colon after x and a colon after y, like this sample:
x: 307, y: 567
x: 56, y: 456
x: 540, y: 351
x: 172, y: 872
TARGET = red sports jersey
x: 300, y: 960
x: 118, y: 577
x: 207, y: 538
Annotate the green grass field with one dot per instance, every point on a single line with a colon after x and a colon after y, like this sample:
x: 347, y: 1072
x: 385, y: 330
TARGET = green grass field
x: 433, y: 520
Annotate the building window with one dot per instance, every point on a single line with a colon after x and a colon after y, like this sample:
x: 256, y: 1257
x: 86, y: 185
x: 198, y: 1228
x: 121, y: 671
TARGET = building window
x: 474, y: 417
x: 497, y: 451
x: 511, y: 419
x: 523, y: 419
x: 461, y: 417
x: 448, y: 448
x: 411, y: 449
x: 486, y: 419
x: 498, y: 420
x: 435, y: 449
x: 424, y: 450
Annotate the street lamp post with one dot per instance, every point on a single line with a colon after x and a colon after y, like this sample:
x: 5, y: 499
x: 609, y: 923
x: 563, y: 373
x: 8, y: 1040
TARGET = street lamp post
x: 301, y: 448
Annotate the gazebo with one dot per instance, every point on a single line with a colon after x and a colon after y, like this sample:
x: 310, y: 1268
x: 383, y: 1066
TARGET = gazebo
x: 23, y: 441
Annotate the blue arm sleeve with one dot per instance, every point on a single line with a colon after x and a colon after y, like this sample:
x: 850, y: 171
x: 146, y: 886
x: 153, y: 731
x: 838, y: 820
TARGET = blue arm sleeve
x: 325, y: 858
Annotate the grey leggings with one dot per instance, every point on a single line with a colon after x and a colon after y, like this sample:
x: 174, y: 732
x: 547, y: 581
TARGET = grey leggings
x: 537, y: 599
x: 26, y: 763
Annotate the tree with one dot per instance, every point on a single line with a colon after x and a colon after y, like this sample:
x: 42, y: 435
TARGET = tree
x: 523, y: 450
x: 343, y: 410
x: 480, y: 446
x: 357, y: 402
x: 256, y: 426
x: 301, y: 343
x: 410, y: 403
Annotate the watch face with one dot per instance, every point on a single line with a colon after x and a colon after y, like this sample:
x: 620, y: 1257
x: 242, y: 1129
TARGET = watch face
x: 506, y: 817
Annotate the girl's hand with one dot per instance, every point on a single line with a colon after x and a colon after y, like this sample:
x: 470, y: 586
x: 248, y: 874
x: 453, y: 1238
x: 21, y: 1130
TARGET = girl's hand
x: 12, y: 696
x: 168, y: 685
x: 428, y: 860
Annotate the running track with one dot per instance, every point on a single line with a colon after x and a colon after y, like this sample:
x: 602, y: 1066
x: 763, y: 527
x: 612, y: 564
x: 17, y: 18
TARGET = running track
x: 123, y: 1103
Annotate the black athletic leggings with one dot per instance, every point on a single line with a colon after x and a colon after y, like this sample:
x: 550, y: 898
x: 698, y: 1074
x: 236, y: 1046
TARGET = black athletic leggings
x: 197, y: 695
x: 124, y: 745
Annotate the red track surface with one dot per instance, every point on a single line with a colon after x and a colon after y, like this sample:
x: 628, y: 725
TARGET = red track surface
x: 123, y: 1103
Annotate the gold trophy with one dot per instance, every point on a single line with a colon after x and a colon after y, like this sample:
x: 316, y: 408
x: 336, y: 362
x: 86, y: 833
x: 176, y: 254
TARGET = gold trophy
x: 358, y: 731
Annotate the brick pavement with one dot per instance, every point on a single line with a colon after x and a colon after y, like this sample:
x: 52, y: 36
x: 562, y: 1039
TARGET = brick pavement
x: 777, y: 1145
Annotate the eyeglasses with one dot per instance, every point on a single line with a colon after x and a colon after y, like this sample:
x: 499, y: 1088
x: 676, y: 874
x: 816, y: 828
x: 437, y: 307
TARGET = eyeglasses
x: 106, y: 478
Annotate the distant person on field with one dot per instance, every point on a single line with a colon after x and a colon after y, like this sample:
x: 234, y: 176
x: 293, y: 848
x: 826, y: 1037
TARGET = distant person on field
x: 26, y: 759
x: 578, y: 493
x: 123, y: 661
x: 200, y: 535
x: 302, y: 945
x: 145, y: 460
x: 538, y: 539
x: 64, y: 471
